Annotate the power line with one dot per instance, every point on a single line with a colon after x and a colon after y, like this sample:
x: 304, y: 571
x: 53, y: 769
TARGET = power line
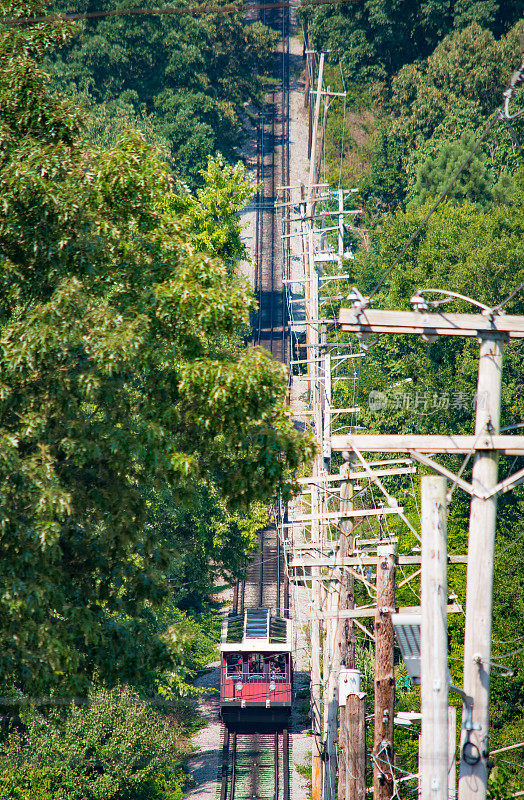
x: 508, y: 641
x: 501, y: 113
x: 510, y: 297
x: 168, y: 11
x: 494, y: 118
x: 511, y: 544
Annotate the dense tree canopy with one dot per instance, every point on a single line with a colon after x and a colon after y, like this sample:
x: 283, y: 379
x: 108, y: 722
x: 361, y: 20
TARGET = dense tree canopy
x: 116, y: 747
x: 122, y: 373
x: 184, y: 78
x: 415, y: 109
x: 430, y: 113
x: 373, y: 39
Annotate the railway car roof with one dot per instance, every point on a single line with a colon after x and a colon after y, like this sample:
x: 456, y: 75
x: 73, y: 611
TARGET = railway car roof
x: 257, y: 629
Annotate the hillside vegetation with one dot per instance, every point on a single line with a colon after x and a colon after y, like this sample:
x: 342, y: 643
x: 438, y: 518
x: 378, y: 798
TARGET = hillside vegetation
x: 422, y: 83
x: 141, y: 442
x: 184, y: 79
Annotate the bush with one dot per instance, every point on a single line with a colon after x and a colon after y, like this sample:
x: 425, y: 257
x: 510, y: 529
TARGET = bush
x: 114, y: 748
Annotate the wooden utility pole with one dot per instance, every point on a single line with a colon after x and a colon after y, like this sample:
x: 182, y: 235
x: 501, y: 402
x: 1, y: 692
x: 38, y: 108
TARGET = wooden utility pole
x: 383, y: 752
x: 316, y: 689
x: 352, y: 752
x: 340, y: 237
x: 434, y: 641
x: 356, y: 769
x: 316, y: 530
x: 309, y: 129
x: 332, y: 660
x: 314, y: 135
x: 313, y: 351
x: 479, y: 594
x: 492, y: 330
x: 348, y: 733
x: 347, y: 598
x: 343, y: 753
x: 346, y: 601
x: 335, y: 652
x: 308, y: 81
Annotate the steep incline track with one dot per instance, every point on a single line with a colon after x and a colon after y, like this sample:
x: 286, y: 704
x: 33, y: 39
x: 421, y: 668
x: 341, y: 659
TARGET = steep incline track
x: 272, y: 171
x: 256, y: 765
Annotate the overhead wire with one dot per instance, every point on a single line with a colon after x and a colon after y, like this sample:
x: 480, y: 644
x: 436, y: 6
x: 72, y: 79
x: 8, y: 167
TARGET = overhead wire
x: 511, y: 544
x: 491, y: 121
x: 512, y: 134
x: 507, y: 655
x: 508, y: 298
x: 384, y: 531
x: 508, y: 641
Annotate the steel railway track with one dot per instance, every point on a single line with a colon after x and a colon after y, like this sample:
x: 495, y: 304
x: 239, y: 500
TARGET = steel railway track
x: 256, y: 765
x: 270, y: 329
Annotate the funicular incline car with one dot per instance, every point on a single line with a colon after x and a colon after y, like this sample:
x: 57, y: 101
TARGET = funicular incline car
x: 256, y: 669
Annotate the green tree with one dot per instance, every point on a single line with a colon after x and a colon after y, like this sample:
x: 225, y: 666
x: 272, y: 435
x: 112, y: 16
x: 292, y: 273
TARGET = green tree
x: 114, y: 748
x: 498, y: 785
x: 434, y: 174
x: 477, y: 252
x: 459, y: 85
x: 374, y: 39
x: 189, y: 75
x: 211, y: 213
x: 385, y: 185
x: 121, y: 373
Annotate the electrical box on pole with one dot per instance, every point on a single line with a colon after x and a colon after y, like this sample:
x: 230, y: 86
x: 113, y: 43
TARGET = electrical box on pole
x: 313, y: 341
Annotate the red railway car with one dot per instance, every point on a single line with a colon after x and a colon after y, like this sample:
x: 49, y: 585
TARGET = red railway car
x: 256, y: 669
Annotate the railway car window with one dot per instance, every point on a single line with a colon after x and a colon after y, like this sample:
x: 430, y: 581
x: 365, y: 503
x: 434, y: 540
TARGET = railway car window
x: 280, y: 665
x: 235, y: 629
x: 255, y: 664
x: 256, y: 623
x: 277, y: 666
x: 234, y: 663
x: 277, y: 629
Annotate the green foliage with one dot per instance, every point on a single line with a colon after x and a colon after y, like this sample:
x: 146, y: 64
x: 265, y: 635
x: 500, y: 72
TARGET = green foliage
x: 474, y: 251
x: 205, y: 543
x: 186, y: 77
x: 121, y: 376
x: 114, y: 748
x: 385, y: 185
x: 107, y: 122
x: 432, y: 95
x: 373, y: 39
x: 306, y: 773
x: 498, y: 785
x: 477, y: 252
x: 193, y: 644
x: 434, y: 174
x: 461, y: 82
x: 495, y: 161
x: 212, y: 213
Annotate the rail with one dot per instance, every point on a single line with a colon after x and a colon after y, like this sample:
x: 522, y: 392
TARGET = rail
x: 257, y: 764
